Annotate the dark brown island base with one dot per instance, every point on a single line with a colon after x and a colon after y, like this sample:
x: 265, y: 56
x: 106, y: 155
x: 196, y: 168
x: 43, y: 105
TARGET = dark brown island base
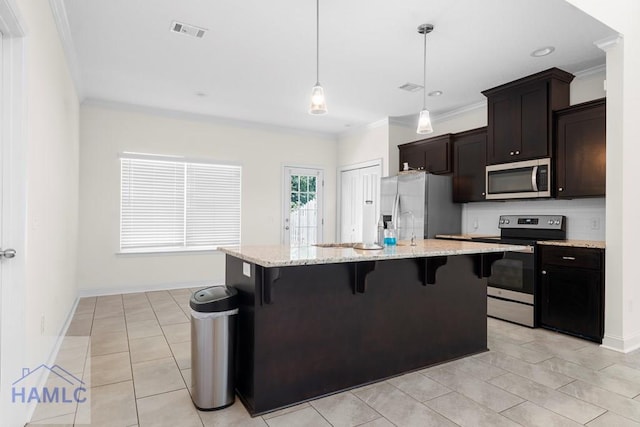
x: 316, y: 321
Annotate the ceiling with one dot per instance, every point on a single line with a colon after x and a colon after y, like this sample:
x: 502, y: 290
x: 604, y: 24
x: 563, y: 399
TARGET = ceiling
x: 256, y: 63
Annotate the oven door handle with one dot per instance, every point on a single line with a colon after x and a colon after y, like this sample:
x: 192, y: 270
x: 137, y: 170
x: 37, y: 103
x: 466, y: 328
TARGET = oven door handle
x: 534, y: 178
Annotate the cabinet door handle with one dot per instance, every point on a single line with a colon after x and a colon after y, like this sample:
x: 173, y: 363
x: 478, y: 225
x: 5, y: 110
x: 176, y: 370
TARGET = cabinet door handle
x: 517, y: 152
x: 483, y: 193
x: 569, y: 258
x: 544, y: 271
x: 560, y: 189
x: 511, y: 153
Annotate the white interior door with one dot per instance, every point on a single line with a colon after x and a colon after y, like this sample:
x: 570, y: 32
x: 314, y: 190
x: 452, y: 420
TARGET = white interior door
x: 12, y: 213
x: 303, y: 219
x: 359, y: 203
x: 351, y: 206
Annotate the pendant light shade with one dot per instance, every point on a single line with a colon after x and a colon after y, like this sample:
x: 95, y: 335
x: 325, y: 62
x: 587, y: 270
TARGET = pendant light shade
x: 424, y: 122
x: 318, y: 102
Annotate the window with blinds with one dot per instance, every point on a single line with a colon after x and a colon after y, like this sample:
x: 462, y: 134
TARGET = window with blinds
x: 170, y: 204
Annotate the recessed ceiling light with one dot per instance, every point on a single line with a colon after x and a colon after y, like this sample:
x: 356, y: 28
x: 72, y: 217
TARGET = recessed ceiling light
x: 201, y: 94
x: 435, y: 93
x: 543, y: 51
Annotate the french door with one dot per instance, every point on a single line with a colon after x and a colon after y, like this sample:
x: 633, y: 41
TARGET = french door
x: 303, y: 191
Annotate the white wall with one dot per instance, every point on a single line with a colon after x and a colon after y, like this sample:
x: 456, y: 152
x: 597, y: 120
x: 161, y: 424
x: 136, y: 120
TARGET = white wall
x: 364, y: 144
x: 588, y: 85
x: 107, y: 131
x: 52, y: 183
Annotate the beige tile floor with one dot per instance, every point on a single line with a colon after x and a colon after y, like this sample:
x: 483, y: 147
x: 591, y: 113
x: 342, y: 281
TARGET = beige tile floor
x: 140, y: 375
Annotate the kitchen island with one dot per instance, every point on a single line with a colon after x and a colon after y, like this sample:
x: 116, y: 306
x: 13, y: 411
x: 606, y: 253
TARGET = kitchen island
x: 315, y: 320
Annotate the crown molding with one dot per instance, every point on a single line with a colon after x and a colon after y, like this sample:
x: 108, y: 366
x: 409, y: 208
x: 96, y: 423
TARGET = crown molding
x: 369, y: 126
x: 410, y: 120
x: 217, y: 120
x: 608, y: 42
x: 602, y: 68
x: 460, y: 110
x: 59, y: 12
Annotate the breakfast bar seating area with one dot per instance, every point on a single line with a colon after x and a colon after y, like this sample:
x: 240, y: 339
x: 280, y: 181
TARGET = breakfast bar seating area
x: 316, y: 321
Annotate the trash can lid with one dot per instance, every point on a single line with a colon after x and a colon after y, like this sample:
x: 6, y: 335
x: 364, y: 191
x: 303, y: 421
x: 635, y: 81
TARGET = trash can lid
x: 214, y: 299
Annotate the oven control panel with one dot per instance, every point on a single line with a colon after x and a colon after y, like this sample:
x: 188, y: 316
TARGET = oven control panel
x: 540, y: 222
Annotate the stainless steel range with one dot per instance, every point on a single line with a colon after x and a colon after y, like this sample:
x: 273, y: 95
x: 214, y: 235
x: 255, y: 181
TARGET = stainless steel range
x: 512, y: 288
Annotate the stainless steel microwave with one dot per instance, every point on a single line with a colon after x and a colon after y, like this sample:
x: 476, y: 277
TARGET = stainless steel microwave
x: 519, y: 180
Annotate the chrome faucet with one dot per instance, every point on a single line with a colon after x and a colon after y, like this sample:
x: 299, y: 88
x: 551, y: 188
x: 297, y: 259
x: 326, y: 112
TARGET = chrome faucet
x: 413, y: 226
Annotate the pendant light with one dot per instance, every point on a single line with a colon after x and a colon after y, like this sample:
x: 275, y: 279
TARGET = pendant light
x: 424, y: 122
x: 318, y: 103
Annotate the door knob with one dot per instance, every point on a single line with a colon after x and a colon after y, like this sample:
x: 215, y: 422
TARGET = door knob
x: 7, y: 253
x: 287, y: 227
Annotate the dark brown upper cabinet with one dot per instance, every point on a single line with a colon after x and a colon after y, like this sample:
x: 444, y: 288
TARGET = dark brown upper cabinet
x: 469, y: 162
x: 520, y: 116
x: 581, y: 134
x: 432, y: 155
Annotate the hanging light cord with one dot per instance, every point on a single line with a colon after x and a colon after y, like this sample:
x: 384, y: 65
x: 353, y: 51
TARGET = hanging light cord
x: 318, y: 41
x: 424, y: 70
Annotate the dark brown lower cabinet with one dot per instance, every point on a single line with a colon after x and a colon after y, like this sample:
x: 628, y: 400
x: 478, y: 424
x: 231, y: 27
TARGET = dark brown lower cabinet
x: 571, y: 291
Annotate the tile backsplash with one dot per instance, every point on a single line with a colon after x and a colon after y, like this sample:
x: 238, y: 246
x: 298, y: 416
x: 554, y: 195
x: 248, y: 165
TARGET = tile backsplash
x: 585, y: 217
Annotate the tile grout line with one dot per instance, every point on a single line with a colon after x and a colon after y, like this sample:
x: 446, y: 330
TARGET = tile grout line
x: 133, y: 380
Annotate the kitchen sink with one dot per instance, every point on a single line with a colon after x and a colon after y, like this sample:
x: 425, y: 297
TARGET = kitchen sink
x: 365, y: 246
x: 334, y: 245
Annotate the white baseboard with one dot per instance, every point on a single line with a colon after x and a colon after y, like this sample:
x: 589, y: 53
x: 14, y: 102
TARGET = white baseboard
x: 620, y: 344
x: 53, y: 355
x: 95, y: 292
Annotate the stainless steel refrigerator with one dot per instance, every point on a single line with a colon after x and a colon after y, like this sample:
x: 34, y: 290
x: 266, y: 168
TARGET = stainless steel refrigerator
x: 420, y: 203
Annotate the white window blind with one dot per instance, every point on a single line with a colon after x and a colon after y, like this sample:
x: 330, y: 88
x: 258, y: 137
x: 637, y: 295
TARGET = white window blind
x: 169, y: 205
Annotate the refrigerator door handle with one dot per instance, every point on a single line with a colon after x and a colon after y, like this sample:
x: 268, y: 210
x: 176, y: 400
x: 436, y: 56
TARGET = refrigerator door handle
x: 395, y: 210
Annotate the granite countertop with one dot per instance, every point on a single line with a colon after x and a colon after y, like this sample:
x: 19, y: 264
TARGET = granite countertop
x: 465, y: 236
x: 595, y: 244
x: 281, y: 255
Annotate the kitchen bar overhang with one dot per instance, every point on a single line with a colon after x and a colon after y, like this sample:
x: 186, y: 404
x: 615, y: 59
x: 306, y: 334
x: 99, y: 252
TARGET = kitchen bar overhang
x: 315, y: 321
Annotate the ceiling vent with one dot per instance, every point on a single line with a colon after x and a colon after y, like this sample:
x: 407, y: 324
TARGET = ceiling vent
x: 410, y: 87
x: 188, y: 30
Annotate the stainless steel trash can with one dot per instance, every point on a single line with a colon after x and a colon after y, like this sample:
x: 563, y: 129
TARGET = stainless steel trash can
x: 214, y: 314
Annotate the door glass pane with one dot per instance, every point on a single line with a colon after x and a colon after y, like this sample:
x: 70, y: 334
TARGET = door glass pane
x: 303, y: 210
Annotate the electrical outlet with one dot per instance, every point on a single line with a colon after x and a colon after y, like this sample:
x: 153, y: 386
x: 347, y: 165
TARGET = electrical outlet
x: 42, y: 324
x: 595, y: 223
